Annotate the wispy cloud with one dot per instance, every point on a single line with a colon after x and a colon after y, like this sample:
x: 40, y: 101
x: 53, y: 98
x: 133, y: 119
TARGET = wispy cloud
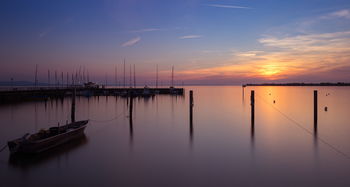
x: 131, y: 42
x: 338, y: 14
x: 190, y: 37
x: 227, y: 6
x: 304, y: 57
x: 146, y: 30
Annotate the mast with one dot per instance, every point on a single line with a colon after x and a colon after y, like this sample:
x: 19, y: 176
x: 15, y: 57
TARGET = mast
x: 84, y: 75
x: 72, y: 78
x: 36, y: 75
x: 130, y: 77
x: 115, y: 76
x: 79, y: 74
x: 48, y: 77
x: 67, y: 78
x: 157, y: 76
x: 62, y: 83
x: 172, y: 76
x: 56, y: 78
x: 134, y: 77
x: 124, y: 74
x: 88, y: 76
x: 106, y: 80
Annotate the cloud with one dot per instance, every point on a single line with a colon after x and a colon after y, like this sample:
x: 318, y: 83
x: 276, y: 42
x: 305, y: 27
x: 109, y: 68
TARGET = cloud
x: 131, y: 42
x: 304, y: 57
x: 286, y: 56
x: 338, y: 14
x: 146, y: 30
x: 190, y: 36
x: 227, y: 6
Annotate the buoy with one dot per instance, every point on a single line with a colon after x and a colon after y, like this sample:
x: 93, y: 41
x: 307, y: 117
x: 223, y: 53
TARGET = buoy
x: 326, y: 109
x: 274, y: 101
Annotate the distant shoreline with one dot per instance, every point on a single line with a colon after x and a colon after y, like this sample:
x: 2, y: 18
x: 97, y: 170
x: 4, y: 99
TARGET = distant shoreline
x: 299, y: 84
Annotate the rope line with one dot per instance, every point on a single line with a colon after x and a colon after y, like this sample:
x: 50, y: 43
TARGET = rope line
x: 3, y: 148
x: 107, y: 120
x: 305, y: 129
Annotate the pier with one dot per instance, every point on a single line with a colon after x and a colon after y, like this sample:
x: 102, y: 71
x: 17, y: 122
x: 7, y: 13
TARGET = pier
x: 42, y: 93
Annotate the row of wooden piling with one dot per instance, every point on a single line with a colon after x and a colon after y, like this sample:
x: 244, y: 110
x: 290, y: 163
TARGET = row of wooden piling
x: 252, y: 104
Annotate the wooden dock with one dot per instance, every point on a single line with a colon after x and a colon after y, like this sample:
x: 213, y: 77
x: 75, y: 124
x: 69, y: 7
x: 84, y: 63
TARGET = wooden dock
x: 42, y: 93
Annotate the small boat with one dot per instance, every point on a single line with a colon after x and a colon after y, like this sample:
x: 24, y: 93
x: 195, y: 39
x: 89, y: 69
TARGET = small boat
x: 47, y: 139
x: 147, y: 92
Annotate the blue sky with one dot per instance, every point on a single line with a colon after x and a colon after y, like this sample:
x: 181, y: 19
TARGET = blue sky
x: 197, y: 37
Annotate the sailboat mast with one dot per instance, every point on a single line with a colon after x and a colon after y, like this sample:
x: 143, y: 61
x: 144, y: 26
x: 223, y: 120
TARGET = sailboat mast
x: 56, y: 78
x: 134, y: 77
x: 124, y: 74
x: 36, y: 75
x: 172, y: 76
x: 48, y: 77
x: 130, y: 85
x: 157, y: 76
x: 62, y: 82
x: 115, y: 76
x: 106, y: 80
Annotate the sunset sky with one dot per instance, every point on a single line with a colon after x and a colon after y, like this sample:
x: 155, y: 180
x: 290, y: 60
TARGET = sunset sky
x: 207, y: 41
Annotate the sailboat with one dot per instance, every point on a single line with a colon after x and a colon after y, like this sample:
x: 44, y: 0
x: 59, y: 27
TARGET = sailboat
x: 50, y: 138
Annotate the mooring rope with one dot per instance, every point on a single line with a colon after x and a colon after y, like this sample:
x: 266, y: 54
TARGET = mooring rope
x: 305, y: 129
x: 107, y: 120
x: 3, y: 148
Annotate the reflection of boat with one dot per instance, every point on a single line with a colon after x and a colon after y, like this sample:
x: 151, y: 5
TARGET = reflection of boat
x: 47, y: 139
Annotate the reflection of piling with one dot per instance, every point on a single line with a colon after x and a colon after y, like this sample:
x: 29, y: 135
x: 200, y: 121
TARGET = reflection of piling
x: 191, y: 113
x: 243, y: 86
x: 73, y: 106
x: 130, y: 115
x: 315, y: 110
x: 252, y: 104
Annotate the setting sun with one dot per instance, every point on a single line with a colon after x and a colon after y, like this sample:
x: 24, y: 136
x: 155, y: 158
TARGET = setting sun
x: 270, y: 70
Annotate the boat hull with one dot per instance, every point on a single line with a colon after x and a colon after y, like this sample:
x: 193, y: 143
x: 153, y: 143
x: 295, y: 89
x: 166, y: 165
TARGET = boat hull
x: 34, y: 147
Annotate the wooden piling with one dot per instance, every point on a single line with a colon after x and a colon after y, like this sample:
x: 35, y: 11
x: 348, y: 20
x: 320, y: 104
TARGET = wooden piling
x: 191, y: 105
x: 315, y: 110
x: 191, y: 112
x: 252, y: 104
x: 73, y: 106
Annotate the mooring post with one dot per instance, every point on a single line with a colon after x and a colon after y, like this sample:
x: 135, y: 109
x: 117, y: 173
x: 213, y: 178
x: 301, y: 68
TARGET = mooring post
x: 73, y: 106
x: 252, y: 104
x: 191, y: 112
x: 315, y: 110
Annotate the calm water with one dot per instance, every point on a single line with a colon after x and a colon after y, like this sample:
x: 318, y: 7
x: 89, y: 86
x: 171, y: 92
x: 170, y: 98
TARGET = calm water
x: 159, y: 149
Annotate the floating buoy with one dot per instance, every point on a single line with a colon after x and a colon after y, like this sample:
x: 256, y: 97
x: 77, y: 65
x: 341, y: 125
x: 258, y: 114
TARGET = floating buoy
x: 326, y: 109
x: 274, y: 101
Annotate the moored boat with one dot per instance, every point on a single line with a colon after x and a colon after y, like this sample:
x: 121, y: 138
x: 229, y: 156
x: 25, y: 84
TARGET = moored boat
x: 47, y: 139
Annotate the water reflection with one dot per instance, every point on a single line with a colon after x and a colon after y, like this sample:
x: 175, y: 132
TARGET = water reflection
x: 131, y: 128
x: 160, y: 133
